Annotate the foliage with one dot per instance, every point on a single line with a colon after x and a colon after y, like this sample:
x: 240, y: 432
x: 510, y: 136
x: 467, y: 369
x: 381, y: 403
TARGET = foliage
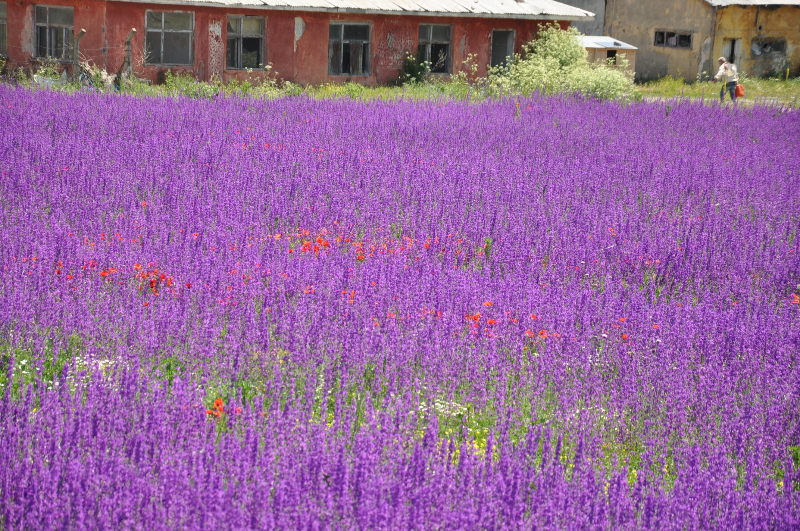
x: 555, y: 63
x: 757, y: 90
x: 304, y: 313
x: 414, y: 70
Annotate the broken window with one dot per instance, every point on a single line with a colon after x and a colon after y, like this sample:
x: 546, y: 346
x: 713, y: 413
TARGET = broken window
x: 54, y: 29
x: 768, y: 46
x: 434, y: 46
x: 245, y: 48
x: 502, y: 47
x: 169, y: 38
x: 348, y: 49
x: 3, y: 29
x: 673, y: 39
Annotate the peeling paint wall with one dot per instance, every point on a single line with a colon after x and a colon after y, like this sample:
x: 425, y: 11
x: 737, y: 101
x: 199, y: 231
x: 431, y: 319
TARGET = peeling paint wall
x: 756, y: 26
x: 299, y: 29
x: 21, y: 36
x: 635, y: 22
x: 399, y: 39
x: 296, y: 43
x: 216, y: 49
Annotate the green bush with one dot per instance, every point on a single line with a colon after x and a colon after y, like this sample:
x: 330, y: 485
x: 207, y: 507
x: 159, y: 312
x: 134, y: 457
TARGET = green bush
x: 414, y: 71
x: 556, y: 63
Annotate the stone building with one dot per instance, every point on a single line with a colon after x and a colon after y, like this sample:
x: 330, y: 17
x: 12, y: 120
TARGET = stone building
x: 684, y: 38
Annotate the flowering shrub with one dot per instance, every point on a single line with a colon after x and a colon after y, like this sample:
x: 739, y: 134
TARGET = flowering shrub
x: 293, y: 314
x: 555, y: 63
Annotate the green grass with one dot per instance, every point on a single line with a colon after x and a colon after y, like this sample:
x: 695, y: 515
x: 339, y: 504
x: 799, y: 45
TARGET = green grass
x: 773, y: 90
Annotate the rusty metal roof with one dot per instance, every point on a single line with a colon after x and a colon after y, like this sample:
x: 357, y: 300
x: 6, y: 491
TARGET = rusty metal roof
x: 520, y: 9
x: 725, y: 3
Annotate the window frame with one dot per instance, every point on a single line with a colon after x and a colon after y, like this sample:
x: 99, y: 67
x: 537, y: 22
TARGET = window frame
x: 240, y: 36
x: 4, y: 27
x: 365, y: 50
x: 666, y: 35
x: 430, y: 42
x: 162, y: 31
x: 509, y: 47
x: 761, y: 42
x: 67, y: 34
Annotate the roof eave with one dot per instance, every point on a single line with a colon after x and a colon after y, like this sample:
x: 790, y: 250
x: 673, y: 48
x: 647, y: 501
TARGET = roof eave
x: 356, y: 11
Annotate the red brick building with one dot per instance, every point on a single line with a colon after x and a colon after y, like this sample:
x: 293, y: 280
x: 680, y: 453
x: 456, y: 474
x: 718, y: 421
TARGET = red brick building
x: 305, y: 41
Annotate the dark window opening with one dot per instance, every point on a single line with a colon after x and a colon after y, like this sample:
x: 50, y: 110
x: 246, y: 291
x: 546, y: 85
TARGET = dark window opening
x: 673, y: 39
x: 3, y: 29
x: 434, y: 46
x: 348, y: 49
x: 766, y: 47
x: 245, y: 42
x: 169, y: 38
x: 502, y: 47
x: 54, y: 32
x: 611, y: 57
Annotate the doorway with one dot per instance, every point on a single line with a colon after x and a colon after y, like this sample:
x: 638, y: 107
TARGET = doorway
x: 502, y: 47
x: 732, y: 50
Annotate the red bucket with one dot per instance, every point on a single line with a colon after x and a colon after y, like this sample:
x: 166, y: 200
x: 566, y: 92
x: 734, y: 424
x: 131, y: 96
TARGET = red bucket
x: 739, y: 91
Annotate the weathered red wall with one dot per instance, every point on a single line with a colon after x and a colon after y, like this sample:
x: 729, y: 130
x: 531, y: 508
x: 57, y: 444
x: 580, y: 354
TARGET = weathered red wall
x: 303, y: 61
x: 89, y: 14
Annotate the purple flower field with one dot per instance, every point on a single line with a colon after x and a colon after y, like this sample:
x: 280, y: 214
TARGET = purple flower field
x: 302, y: 314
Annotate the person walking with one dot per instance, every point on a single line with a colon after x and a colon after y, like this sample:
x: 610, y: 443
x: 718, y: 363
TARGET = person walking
x: 729, y: 76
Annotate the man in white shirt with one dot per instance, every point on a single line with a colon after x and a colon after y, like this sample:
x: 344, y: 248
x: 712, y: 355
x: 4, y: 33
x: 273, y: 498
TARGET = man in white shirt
x: 729, y: 76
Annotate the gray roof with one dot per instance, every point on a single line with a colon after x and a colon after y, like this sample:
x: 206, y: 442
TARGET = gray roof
x: 595, y: 41
x: 520, y: 9
x: 725, y: 3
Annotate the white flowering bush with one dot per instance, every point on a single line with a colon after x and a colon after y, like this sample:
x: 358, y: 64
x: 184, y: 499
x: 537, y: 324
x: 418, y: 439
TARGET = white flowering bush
x: 556, y: 63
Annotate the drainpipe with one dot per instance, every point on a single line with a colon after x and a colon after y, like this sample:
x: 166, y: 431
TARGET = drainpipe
x: 712, y: 59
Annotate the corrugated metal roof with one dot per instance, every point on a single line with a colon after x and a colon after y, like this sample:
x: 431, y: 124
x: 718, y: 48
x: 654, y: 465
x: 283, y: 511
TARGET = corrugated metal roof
x: 595, y: 41
x: 521, y: 9
x: 725, y: 3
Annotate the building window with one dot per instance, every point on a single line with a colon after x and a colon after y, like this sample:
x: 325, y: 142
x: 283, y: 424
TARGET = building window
x: 434, y: 46
x: 3, y: 29
x: 672, y: 39
x: 611, y: 57
x: 54, y: 32
x: 767, y: 47
x: 245, y: 47
x: 348, y: 49
x: 502, y: 47
x: 169, y: 38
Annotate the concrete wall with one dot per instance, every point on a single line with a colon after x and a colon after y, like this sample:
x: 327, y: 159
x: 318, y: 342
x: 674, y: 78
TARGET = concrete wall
x: 600, y: 55
x: 296, y: 42
x: 635, y: 22
x: 750, y: 24
x: 590, y: 27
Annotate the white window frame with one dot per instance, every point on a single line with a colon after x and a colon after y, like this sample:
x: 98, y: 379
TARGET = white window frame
x: 4, y: 30
x: 162, y: 31
x: 428, y: 42
x: 336, y: 69
x: 239, y: 38
x: 67, y: 33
